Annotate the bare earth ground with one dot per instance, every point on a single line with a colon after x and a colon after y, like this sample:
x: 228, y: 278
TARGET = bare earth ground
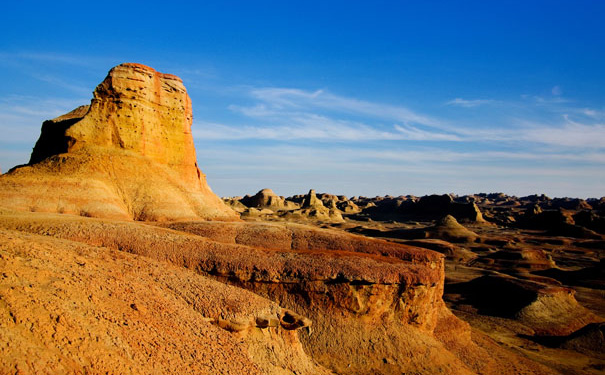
x: 498, y: 252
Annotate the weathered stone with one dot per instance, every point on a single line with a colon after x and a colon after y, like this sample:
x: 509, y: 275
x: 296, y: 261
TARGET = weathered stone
x: 129, y: 155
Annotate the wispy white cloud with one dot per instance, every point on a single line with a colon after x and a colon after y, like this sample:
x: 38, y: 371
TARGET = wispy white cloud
x: 589, y: 112
x: 466, y: 158
x: 412, y: 133
x: 286, y: 114
x: 459, y: 102
x: 549, y: 100
x: 21, y: 116
x: 302, y: 126
x: 318, y: 128
x: 293, y: 114
x: 258, y: 110
x: 54, y: 59
x: 556, y: 91
x: 592, y: 113
x: 56, y: 81
x: 288, y: 98
x: 569, y: 134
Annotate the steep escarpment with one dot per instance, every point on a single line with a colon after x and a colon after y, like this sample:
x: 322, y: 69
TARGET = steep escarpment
x: 128, y: 155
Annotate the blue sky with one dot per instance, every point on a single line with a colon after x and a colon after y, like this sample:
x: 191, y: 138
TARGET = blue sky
x: 355, y: 98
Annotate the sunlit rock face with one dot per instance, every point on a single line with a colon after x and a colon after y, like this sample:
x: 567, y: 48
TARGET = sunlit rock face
x: 129, y: 154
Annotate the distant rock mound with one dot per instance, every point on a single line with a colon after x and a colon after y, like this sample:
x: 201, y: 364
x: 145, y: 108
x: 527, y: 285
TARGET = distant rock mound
x: 314, y: 208
x: 558, y: 223
x: 449, y: 229
x: 546, y: 309
x: 311, y: 200
x: 348, y: 206
x: 589, y: 340
x: 266, y: 198
x: 128, y: 155
x: 434, y: 204
x: 428, y: 207
x: 468, y: 212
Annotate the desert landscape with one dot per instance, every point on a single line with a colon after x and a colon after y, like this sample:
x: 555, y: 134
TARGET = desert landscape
x: 117, y: 257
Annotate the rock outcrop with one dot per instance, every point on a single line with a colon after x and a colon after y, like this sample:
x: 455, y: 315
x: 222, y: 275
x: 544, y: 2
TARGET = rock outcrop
x: 449, y: 229
x: 588, y: 340
x: 546, y: 309
x: 311, y: 201
x: 313, y: 207
x: 267, y: 199
x: 128, y: 155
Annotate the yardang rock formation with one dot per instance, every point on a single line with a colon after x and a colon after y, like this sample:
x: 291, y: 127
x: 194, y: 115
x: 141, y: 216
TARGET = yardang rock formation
x: 129, y: 155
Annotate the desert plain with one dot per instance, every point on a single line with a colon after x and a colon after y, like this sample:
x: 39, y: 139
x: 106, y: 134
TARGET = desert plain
x: 117, y: 257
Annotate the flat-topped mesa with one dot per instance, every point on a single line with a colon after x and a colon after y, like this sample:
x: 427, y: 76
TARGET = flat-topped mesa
x: 128, y: 155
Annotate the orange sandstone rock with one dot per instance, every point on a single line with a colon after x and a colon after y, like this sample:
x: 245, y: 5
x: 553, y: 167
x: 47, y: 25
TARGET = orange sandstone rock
x: 129, y: 155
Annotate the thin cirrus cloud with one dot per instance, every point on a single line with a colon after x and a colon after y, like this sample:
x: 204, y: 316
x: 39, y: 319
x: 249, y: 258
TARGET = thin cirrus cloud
x: 19, y: 58
x: 288, y: 98
x: 570, y: 134
x: 524, y: 133
x: 315, y: 127
x: 286, y: 114
x: 290, y: 114
x: 466, y: 103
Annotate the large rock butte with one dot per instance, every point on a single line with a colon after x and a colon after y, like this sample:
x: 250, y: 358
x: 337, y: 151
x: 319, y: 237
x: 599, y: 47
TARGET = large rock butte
x: 128, y: 155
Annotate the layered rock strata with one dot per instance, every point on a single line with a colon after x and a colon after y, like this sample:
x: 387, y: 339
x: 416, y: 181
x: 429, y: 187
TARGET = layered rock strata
x: 128, y: 155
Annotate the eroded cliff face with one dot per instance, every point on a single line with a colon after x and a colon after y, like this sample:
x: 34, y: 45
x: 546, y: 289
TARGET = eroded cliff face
x: 144, y: 111
x: 376, y: 315
x: 128, y: 155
